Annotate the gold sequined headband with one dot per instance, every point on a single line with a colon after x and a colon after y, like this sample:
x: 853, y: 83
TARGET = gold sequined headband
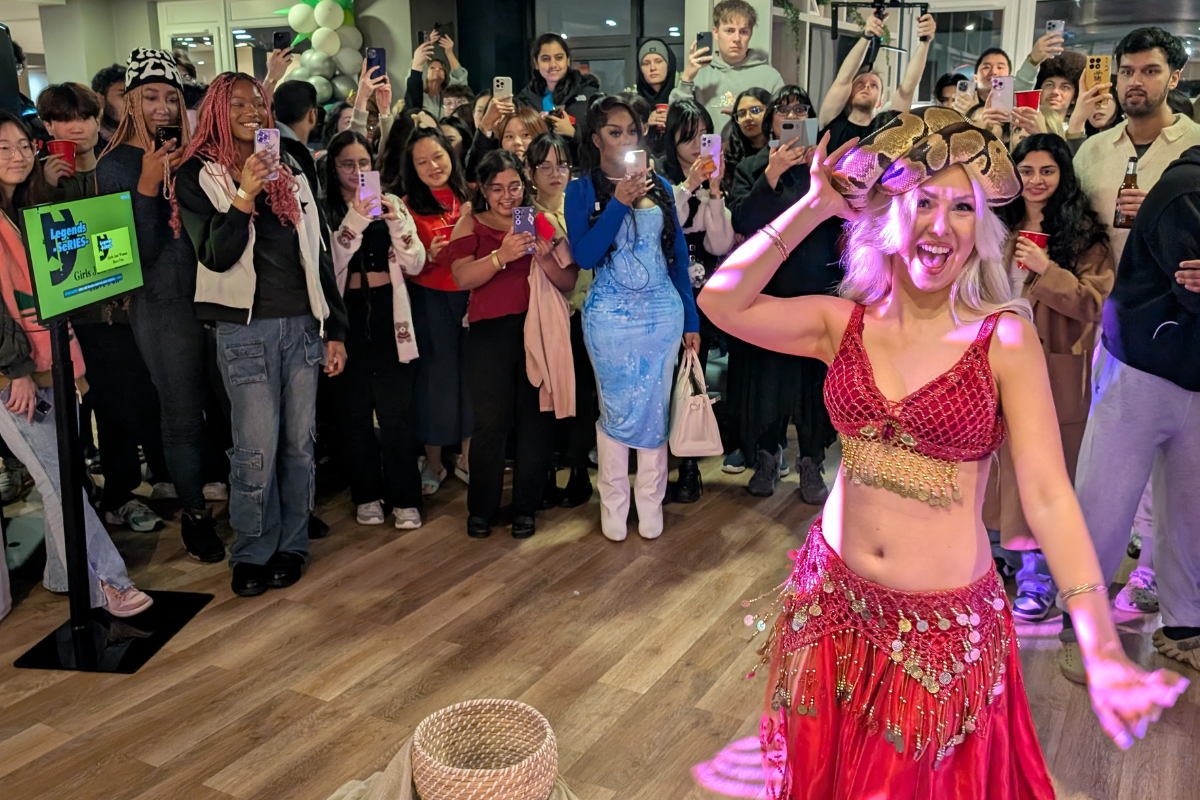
x: 919, y: 144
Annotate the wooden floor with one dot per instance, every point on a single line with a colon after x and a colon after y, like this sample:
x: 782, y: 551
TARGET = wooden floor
x: 635, y: 652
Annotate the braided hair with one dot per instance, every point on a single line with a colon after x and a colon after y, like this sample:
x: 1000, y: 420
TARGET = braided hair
x: 213, y: 141
x: 134, y: 129
x: 597, y: 117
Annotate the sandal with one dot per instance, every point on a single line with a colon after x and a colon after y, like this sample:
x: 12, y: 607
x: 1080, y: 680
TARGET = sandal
x: 431, y: 481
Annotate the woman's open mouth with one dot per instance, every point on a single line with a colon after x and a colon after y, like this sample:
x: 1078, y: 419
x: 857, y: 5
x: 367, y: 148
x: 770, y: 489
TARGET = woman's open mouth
x: 933, y: 256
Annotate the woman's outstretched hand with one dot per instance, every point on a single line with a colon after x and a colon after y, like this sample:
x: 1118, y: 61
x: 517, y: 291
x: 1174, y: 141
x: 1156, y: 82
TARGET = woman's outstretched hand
x: 1127, y: 699
x: 821, y: 193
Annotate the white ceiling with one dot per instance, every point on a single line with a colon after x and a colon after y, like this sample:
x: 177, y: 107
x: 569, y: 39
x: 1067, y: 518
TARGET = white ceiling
x: 23, y: 22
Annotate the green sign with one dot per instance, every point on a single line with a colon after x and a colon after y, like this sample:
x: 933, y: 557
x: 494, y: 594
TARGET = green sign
x: 81, y: 252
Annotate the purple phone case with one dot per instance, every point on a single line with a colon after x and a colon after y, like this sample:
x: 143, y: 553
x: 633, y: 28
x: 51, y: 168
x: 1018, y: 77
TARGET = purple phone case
x: 523, y: 217
x: 268, y: 139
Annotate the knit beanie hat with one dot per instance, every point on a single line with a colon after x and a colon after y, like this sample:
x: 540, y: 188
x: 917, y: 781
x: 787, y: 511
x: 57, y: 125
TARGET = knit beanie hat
x: 653, y: 46
x: 146, y: 65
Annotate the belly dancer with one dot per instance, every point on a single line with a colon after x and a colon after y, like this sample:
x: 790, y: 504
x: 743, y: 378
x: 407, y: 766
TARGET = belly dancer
x: 893, y: 668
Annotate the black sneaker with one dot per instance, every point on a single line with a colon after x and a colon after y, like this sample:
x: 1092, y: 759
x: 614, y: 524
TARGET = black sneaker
x: 812, y: 484
x: 200, y: 539
x: 478, y: 527
x: 766, y: 475
x: 249, y: 580
x: 689, y: 487
x: 523, y: 527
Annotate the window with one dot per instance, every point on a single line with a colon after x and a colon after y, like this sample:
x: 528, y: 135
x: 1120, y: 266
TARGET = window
x: 195, y: 53
x: 961, y: 37
x: 577, y: 19
x: 610, y: 73
x: 664, y: 18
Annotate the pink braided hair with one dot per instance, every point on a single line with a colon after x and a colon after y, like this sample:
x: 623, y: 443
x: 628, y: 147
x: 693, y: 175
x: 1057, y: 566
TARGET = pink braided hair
x: 213, y: 141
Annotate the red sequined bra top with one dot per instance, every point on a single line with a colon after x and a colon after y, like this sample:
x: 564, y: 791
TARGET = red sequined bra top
x: 913, y: 446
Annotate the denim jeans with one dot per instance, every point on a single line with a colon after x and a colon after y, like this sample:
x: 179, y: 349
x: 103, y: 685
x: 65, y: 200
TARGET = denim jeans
x: 36, y: 444
x: 270, y: 369
x: 1034, y: 574
x: 172, y: 343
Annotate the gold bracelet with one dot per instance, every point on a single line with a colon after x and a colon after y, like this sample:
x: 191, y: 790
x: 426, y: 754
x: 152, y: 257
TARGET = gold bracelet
x: 496, y: 262
x: 776, y: 240
x: 1083, y: 588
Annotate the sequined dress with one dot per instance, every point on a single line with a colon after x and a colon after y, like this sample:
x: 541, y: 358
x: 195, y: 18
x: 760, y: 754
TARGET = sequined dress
x: 632, y: 326
x: 884, y: 694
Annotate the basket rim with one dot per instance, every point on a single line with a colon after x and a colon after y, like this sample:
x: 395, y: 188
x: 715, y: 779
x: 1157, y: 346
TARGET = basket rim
x: 547, y: 749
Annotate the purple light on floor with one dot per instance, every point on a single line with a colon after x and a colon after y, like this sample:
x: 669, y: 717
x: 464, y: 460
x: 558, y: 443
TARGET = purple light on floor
x: 736, y: 771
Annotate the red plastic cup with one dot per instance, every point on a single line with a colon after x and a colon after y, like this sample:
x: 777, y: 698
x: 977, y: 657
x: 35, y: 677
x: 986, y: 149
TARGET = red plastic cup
x: 663, y: 107
x: 1031, y: 99
x: 1039, y: 239
x: 61, y: 147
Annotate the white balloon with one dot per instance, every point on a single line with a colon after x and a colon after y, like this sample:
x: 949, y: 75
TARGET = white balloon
x: 326, y: 41
x: 351, y: 37
x: 324, y: 88
x: 300, y: 17
x: 343, y: 85
x: 348, y: 61
x: 329, y: 14
x: 319, y: 63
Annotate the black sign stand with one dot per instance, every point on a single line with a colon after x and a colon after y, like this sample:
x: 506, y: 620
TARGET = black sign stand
x: 93, y: 640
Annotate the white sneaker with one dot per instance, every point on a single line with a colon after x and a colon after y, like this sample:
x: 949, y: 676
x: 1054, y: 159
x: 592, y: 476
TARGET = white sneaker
x: 408, y: 519
x: 127, y: 603
x: 136, y: 516
x: 216, y: 491
x: 163, y: 491
x: 1140, y: 595
x: 370, y: 513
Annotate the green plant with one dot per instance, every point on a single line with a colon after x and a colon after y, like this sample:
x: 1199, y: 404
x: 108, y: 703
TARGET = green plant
x: 792, y: 14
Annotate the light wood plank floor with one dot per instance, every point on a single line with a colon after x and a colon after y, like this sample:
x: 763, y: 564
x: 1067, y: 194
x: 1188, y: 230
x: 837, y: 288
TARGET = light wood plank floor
x: 635, y: 652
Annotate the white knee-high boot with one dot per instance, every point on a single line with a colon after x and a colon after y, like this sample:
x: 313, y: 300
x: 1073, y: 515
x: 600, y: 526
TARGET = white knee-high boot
x: 612, y: 478
x: 651, y: 488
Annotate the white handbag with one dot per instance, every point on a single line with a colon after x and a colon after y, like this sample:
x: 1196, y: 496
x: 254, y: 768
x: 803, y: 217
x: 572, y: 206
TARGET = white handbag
x: 694, y: 431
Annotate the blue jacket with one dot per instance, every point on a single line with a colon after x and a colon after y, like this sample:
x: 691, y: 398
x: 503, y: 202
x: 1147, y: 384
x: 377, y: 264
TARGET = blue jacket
x: 590, y: 243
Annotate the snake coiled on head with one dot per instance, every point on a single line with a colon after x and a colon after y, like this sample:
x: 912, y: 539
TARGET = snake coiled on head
x: 919, y: 144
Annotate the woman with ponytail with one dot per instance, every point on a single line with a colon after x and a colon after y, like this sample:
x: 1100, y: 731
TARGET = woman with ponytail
x: 622, y: 223
x: 266, y: 280
x: 172, y: 342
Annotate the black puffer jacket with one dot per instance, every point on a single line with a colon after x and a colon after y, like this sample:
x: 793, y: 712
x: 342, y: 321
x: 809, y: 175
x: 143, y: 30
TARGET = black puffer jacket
x: 574, y: 93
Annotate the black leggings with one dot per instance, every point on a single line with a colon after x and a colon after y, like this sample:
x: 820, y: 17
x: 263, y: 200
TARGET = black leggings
x: 502, y: 397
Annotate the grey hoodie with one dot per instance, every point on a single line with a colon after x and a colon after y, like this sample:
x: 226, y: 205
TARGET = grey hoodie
x: 718, y: 85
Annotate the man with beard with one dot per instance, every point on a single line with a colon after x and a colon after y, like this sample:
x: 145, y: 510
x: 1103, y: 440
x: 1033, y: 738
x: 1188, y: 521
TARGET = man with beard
x: 1146, y: 375
x: 109, y: 84
x: 849, y: 107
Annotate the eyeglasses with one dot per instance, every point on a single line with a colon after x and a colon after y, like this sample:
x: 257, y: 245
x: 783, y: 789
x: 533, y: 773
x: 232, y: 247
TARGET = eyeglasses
x: 512, y: 190
x: 362, y: 165
x: 8, y: 152
x: 548, y: 169
x: 756, y: 111
x: 793, y: 111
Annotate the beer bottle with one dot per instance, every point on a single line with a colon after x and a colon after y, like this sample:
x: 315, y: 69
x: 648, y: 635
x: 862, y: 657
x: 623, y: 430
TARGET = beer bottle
x: 1122, y: 220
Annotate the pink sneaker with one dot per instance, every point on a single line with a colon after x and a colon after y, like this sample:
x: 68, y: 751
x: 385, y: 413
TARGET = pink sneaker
x: 128, y: 603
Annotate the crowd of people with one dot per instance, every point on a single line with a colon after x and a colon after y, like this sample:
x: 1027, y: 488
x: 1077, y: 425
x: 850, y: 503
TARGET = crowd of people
x: 285, y: 312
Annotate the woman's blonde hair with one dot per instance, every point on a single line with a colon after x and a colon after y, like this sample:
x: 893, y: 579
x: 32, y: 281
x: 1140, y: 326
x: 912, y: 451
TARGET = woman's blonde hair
x: 983, y: 287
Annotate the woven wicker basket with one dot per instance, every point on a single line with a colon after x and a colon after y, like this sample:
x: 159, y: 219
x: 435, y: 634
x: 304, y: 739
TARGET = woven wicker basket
x: 485, y: 750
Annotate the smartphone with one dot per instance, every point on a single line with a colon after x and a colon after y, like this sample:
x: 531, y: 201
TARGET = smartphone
x: 557, y: 111
x: 1098, y: 71
x: 710, y: 145
x: 636, y: 161
x: 268, y: 139
x: 1058, y: 26
x: 376, y: 57
x: 501, y: 88
x: 165, y: 133
x: 1003, y: 94
x: 281, y: 40
x: 705, y: 39
x: 41, y: 408
x: 368, y: 187
x: 523, y: 222
x: 791, y: 130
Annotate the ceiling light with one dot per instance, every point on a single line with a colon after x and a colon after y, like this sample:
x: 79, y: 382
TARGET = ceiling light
x: 675, y: 34
x: 189, y: 44
x: 237, y: 31
x: 564, y: 36
x: 970, y: 26
x: 187, y: 39
x: 673, y: 28
x: 612, y: 23
x: 243, y: 44
x: 201, y: 63
x: 243, y: 36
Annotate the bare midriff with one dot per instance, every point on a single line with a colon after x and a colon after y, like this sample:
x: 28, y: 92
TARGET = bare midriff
x: 905, y: 544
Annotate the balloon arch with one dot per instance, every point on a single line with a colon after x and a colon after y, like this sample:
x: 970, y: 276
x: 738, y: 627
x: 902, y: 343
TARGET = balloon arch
x: 334, y: 62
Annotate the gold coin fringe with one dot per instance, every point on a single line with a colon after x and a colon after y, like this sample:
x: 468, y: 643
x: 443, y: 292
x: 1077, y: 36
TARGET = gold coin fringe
x: 894, y: 466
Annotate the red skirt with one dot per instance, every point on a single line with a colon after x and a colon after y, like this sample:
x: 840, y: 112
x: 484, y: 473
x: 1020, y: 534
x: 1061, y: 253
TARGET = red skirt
x: 889, y: 695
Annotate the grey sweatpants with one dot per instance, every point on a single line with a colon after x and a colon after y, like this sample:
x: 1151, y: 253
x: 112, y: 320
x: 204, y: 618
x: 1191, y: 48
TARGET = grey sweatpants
x: 1141, y: 427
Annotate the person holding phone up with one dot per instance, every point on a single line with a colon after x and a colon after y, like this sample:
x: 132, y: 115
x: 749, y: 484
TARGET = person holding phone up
x: 767, y: 388
x: 265, y: 279
x: 374, y: 244
x: 696, y: 178
x: 374, y: 89
x: 622, y: 223
x: 431, y: 73
x: 559, y: 90
x: 493, y: 263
